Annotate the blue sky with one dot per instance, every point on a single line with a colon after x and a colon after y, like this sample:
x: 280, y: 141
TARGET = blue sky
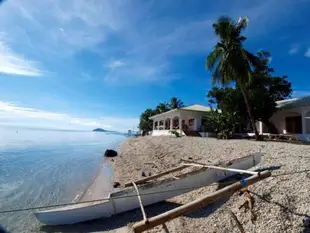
x: 85, y: 64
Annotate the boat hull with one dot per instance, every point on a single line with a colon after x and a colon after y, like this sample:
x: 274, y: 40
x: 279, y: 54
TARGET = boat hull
x: 151, y: 193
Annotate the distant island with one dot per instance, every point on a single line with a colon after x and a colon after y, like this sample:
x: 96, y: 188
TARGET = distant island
x: 108, y: 131
x: 100, y: 130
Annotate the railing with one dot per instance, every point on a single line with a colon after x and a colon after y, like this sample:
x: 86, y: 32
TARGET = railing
x: 163, y: 127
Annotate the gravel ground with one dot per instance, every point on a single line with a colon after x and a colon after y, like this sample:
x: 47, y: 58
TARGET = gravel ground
x: 282, y: 202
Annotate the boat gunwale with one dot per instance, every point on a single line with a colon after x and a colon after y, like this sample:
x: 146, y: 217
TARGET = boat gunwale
x: 153, y: 183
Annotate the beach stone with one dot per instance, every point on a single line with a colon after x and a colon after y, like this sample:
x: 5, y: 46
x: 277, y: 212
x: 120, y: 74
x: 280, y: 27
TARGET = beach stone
x: 110, y: 153
x: 281, y: 201
x: 116, y: 185
x: 2, y: 230
x: 145, y: 174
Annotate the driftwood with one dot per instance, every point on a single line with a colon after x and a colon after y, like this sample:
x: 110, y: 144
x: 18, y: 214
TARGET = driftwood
x: 239, y: 225
x: 144, y: 180
x: 248, y: 205
x: 195, y: 205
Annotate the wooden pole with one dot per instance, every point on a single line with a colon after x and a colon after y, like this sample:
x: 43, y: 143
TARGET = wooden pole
x: 140, y: 202
x: 223, y: 168
x: 194, y: 205
x: 144, y: 180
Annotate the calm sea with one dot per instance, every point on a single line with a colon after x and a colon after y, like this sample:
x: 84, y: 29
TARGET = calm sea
x: 41, y: 167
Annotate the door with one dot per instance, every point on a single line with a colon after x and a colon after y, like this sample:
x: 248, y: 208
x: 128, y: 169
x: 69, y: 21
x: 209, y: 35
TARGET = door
x: 293, y: 125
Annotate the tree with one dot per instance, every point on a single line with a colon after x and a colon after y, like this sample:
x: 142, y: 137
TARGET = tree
x: 230, y: 100
x: 263, y: 92
x: 230, y: 62
x: 175, y: 103
x: 145, y: 123
x: 266, y: 89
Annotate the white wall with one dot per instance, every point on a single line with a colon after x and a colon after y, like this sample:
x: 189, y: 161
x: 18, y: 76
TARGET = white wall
x: 186, y: 115
x: 164, y: 133
x: 279, y: 118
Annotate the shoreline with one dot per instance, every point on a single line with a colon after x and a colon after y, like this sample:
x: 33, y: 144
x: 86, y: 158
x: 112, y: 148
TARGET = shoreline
x: 93, y: 189
x: 82, y: 193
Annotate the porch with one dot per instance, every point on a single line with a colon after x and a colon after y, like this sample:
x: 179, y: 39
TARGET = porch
x: 184, y: 120
x: 176, y: 122
x: 295, y: 121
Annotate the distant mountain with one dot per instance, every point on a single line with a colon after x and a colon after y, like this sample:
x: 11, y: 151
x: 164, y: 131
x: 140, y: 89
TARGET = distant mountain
x: 100, y: 130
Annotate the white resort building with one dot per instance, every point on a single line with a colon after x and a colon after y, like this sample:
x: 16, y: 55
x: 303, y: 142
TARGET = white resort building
x: 292, y: 117
x: 186, y: 120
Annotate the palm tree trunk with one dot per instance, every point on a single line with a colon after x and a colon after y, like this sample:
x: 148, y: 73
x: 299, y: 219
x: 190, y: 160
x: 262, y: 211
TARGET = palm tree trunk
x: 248, y: 107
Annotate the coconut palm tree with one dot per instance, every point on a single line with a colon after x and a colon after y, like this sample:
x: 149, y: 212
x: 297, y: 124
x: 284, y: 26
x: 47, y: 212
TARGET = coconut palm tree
x: 162, y: 107
x: 229, y: 61
x: 176, y: 103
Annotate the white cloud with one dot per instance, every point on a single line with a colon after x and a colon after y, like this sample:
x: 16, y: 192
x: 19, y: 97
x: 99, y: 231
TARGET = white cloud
x: 307, y: 54
x: 115, y: 64
x: 134, y: 73
x: 130, y: 30
x: 15, y: 64
x: 294, y: 49
x: 64, y: 26
x: 11, y: 114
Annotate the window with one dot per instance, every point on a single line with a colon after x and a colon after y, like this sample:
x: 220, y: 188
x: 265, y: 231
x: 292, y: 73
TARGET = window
x: 293, y: 125
x: 191, y: 122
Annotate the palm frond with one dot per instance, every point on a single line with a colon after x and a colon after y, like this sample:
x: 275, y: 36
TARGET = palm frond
x: 242, y: 39
x: 242, y: 24
x: 229, y: 60
x: 223, y: 73
x: 214, y: 56
x: 223, y: 28
x: 254, y: 60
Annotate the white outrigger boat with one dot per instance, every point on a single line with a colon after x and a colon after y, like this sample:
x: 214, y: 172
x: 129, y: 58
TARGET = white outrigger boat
x: 149, y: 193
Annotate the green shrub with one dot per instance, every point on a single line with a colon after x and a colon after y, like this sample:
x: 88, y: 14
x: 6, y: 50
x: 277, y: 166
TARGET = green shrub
x: 176, y: 133
x: 223, y: 123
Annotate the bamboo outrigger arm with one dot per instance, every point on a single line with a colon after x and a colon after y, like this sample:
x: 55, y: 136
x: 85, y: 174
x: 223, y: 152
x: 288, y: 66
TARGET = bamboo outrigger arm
x: 140, y: 202
x: 222, y: 168
x: 194, y: 205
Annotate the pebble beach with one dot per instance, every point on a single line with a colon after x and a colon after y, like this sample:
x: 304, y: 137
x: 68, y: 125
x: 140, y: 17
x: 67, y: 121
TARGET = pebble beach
x: 282, y: 202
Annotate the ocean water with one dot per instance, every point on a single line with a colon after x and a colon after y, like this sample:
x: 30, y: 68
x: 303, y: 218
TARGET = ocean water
x: 42, y: 167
